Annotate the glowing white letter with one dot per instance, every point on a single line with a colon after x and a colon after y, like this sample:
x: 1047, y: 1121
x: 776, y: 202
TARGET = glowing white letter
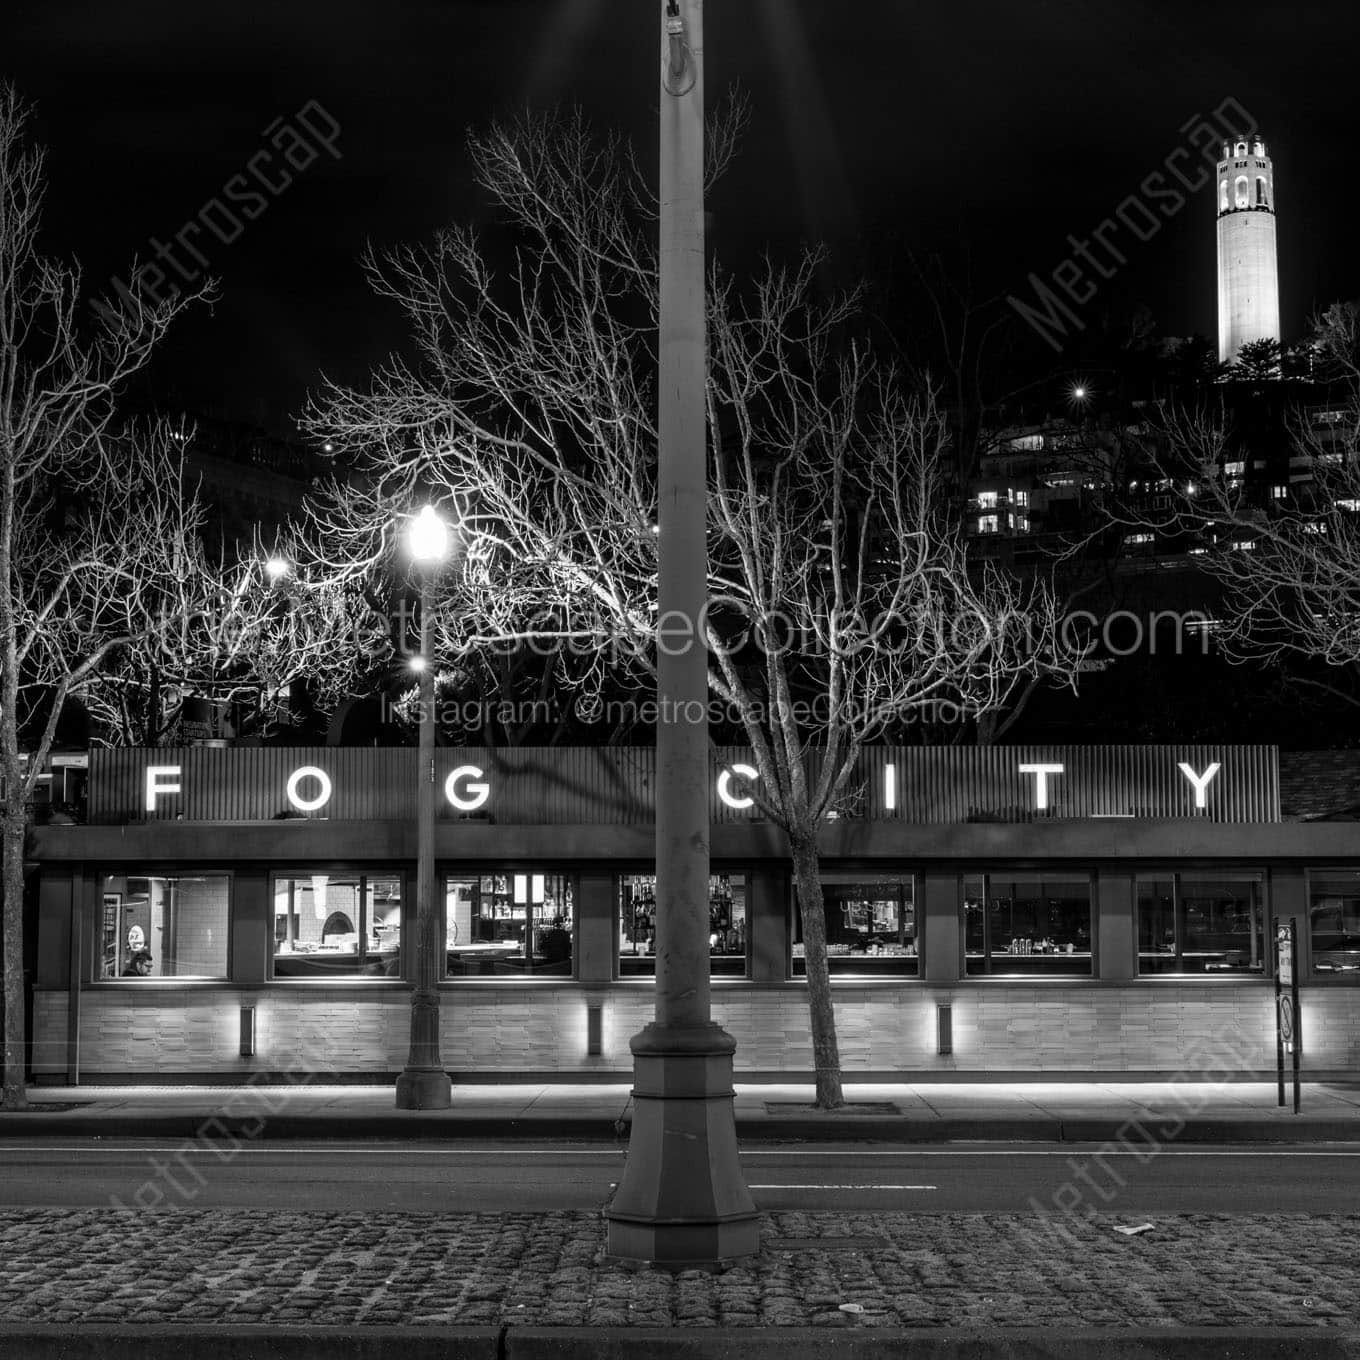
x: 154, y: 785
x: 1200, y: 781
x: 477, y: 793
x: 309, y: 804
x: 725, y: 786
x: 1043, y: 771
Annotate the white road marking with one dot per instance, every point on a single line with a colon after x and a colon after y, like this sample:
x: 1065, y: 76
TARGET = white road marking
x: 349, y: 1152
x: 783, y: 1186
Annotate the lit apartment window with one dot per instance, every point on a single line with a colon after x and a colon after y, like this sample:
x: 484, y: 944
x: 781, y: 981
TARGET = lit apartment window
x: 1315, y: 526
x: 987, y: 524
x: 1022, y: 524
x: 1021, y: 499
x: 1133, y: 540
x: 1244, y: 545
x: 1279, y: 492
x: 1235, y: 469
x: 986, y: 500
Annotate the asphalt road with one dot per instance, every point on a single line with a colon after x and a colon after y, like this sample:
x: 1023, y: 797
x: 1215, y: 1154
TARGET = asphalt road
x: 860, y: 1177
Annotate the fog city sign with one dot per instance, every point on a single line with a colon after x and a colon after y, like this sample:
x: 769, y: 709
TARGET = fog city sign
x: 309, y: 788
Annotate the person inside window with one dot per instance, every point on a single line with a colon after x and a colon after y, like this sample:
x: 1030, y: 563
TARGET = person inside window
x: 139, y: 965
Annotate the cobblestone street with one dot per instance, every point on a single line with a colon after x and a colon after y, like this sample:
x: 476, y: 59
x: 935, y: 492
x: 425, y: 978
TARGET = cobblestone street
x: 941, y: 1270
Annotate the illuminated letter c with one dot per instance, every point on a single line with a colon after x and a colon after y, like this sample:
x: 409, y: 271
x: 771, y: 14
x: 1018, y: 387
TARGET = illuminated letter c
x: 725, y: 789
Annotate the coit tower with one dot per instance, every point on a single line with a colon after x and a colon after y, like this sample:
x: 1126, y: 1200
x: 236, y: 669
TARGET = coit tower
x: 1248, y: 281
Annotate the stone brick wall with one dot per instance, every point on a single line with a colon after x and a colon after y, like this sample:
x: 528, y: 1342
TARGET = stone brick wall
x: 200, y: 928
x: 1065, y: 1029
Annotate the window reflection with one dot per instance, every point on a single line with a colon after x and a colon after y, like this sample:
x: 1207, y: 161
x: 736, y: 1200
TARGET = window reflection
x: 1188, y: 923
x: 164, y: 926
x: 337, y: 926
x: 509, y: 925
x: 1027, y: 925
x: 727, y: 925
x: 1334, y: 920
x: 870, y: 926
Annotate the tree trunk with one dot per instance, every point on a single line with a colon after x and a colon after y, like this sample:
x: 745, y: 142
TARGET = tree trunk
x: 14, y: 1096
x: 826, y: 1055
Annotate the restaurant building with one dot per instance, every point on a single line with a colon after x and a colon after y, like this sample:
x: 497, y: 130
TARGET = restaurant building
x: 1009, y: 912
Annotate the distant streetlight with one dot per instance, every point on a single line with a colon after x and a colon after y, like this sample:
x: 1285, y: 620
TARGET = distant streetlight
x: 423, y: 1083
x: 428, y: 537
x: 276, y: 568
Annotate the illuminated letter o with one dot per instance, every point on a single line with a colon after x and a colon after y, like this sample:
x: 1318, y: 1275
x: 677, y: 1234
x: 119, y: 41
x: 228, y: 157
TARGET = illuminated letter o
x: 724, y: 786
x: 309, y: 804
x: 479, y: 793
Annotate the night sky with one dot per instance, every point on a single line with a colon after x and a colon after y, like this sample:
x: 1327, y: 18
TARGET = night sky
x: 995, y: 128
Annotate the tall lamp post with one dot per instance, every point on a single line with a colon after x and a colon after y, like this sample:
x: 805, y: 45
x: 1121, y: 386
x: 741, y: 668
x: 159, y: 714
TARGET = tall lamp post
x: 423, y: 1084
x: 682, y: 1199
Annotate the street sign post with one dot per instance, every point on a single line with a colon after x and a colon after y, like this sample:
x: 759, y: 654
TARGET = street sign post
x: 1286, y: 1006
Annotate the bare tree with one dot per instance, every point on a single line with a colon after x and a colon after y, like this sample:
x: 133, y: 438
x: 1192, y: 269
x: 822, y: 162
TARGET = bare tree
x: 100, y: 537
x: 1286, y: 557
x: 842, y: 598
x: 240, y: 627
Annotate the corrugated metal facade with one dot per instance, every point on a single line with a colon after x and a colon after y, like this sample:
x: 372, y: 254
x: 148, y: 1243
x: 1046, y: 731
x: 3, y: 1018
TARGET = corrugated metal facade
x: 543, y: 786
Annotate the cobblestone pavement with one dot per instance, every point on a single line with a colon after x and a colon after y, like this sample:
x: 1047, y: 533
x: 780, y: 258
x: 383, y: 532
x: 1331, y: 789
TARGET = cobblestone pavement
x: 945, y: 1270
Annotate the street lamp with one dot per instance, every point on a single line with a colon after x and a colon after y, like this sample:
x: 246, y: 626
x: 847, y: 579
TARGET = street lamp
x: 682, y: 1199
x: 423, y: 1083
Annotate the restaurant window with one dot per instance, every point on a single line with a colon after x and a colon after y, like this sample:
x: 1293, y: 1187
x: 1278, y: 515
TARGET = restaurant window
x: 1201, y: 923
x: 509, y: 925
x: 1027, y: 925
x: 1334, y: 922
x: 870, y: 926
x: 727, y: 925
x: 164, y: 926
x: 337, y: 926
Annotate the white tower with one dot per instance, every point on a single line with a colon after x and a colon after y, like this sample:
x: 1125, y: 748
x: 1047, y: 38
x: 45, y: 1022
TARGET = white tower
x: 1248, y: 280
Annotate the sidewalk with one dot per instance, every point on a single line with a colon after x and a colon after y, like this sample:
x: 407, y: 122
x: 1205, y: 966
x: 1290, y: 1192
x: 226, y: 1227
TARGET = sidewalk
x: 906, y: 1112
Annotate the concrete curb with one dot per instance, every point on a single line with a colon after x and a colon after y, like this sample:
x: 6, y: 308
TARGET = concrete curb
x: 168, y: 1342
x: 864, y: 1343
x: 191, y: 1124
x: 165, y: 1341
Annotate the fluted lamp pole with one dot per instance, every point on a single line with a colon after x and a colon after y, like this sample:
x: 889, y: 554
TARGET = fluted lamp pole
x: 682, y: 1199
x: 423, y: 1084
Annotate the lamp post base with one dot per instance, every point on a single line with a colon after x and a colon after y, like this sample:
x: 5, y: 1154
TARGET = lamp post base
x: 683, y: 1200
x: 424, y: 1088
